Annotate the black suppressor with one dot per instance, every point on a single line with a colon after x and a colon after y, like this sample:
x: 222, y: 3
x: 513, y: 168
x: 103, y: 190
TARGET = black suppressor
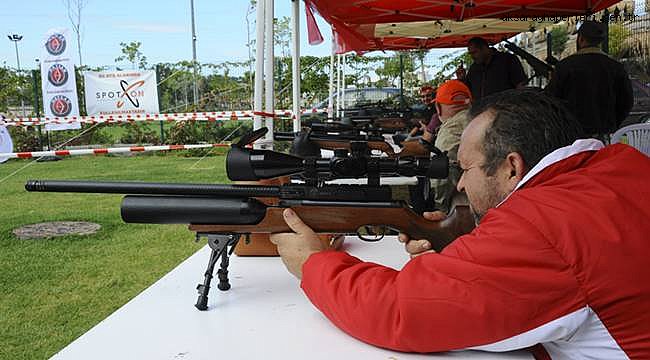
x: 191, y: 210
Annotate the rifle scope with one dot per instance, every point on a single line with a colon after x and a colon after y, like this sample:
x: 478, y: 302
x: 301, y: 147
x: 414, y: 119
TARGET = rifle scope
x: 244, y: 164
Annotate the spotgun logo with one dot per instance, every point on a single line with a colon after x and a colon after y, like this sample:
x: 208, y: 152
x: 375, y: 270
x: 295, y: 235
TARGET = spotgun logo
x: 131, y: 93
x: 55, y: 44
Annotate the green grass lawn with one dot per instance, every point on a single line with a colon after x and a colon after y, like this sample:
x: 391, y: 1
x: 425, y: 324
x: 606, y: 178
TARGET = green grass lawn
x: 54, y: 290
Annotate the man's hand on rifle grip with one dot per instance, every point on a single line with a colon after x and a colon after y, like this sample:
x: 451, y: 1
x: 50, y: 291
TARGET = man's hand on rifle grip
x: 418, y: 247
x: 295, y: 248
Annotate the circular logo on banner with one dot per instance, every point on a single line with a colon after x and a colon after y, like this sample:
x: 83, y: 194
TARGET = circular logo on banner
x: 57, y: 75
x: 60, y: 106
x: 55, y: 44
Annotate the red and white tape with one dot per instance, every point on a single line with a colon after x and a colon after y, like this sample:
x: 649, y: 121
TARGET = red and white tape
x: 37, y: 154
x: 130, y: 118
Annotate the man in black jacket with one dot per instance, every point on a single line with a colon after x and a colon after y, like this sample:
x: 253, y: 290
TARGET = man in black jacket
x: 595, y: 87
x: 492, y: 71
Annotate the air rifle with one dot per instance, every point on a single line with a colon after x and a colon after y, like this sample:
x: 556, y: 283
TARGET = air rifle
x: 225, y: 213
x: 540, y: 67
x: 379, y: 116
x: 309, y: 141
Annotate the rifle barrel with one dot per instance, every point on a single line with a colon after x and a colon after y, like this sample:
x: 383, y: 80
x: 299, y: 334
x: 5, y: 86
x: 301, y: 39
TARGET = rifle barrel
x: 144, y: 188
x: 293, y: 191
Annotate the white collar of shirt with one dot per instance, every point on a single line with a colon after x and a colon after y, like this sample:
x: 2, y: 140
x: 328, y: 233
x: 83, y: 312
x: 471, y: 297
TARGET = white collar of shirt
x: 558, y: 155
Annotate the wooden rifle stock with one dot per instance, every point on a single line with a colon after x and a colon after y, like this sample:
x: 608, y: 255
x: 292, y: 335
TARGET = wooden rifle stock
x: 410, y: 148
x: 347, y: 220
x: 372, y: 145
x: 413, y: 148
x: 391, y: 123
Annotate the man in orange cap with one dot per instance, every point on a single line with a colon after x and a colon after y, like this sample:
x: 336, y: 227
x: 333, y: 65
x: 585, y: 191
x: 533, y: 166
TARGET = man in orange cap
x: 452, y: 102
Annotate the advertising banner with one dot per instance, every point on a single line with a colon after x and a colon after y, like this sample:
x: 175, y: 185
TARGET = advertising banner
x: 121, y: 92
x: 59, y: 86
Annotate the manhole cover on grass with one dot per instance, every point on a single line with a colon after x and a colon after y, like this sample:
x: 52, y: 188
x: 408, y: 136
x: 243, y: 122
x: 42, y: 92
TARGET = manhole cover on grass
x: 56, y: 228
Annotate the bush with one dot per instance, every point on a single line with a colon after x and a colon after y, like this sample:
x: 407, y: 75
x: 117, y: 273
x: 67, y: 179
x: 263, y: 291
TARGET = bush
x: 139, y: 133
x: 24, y: 138
x: 192, y: 132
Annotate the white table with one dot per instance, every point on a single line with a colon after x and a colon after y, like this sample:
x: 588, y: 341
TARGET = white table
x: 264, y: 315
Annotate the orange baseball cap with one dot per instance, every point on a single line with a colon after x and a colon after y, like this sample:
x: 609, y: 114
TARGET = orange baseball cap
x: 453, y: 92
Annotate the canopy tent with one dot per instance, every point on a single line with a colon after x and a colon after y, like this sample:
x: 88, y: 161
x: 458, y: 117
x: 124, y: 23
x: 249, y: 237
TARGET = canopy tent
x: 366, y: 25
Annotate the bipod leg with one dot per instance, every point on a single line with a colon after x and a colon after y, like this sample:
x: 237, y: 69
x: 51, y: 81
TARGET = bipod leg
x: 222, y: 273
x: 219, y: 244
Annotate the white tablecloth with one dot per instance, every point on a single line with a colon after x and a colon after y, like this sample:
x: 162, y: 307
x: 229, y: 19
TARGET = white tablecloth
x: 264, y: 315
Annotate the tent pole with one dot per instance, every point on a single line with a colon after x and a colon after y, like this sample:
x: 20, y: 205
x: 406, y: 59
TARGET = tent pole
x: 259, y: 67
x: 268, y: 72
x: 295, y: 62
x: 330, y: 94
x: 401, y: 81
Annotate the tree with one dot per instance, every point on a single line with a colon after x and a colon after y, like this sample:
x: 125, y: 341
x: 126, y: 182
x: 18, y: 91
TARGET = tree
x: 559, y: 38
x: 74, y: 14
x: 16, y: 85
x: 447, y: 71
x: 282, y: 35
x: 131, y: 53
x: 389, y: 72
x: 617, y: 36
x: 420, y: 55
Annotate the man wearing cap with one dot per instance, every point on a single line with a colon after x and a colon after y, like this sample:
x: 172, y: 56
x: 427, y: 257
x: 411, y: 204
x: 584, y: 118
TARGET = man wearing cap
x: 452, y: 103
x: 492, y: 71
x: 595, y: 87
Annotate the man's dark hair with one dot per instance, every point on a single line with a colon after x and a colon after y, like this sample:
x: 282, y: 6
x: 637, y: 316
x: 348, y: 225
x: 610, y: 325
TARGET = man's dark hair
x: 479, y: 42
x: 527, y: 122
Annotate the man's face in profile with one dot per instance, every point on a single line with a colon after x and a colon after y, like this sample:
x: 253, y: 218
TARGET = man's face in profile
x: 483, y: 191
x: 479, y: 54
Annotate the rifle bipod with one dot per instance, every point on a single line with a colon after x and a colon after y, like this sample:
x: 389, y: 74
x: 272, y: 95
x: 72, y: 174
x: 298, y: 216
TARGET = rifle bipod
x: 219, y: 244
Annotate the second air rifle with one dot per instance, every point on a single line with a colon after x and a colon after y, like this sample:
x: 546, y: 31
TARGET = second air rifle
x: 541, y: 68
x: 335, y: 136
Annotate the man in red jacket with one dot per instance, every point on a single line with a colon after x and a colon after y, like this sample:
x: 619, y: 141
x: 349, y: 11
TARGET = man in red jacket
x: 558, y: 261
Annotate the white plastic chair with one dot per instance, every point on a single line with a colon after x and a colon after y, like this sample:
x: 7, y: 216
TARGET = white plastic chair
x: 637, y: 136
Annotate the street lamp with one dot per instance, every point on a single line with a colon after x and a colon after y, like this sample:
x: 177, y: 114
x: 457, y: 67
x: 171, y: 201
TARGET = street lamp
x: 16, y: 38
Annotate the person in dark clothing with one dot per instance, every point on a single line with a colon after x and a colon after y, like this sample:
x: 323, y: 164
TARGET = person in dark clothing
x: 595, y: 87
x: 492, y: 71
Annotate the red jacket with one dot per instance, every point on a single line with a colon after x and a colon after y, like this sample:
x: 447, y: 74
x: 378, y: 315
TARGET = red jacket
x: 563, y: 262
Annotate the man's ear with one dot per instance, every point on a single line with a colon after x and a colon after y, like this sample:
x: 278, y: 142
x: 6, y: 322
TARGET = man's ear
x: 516, y: 168
x: 438, y: 109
